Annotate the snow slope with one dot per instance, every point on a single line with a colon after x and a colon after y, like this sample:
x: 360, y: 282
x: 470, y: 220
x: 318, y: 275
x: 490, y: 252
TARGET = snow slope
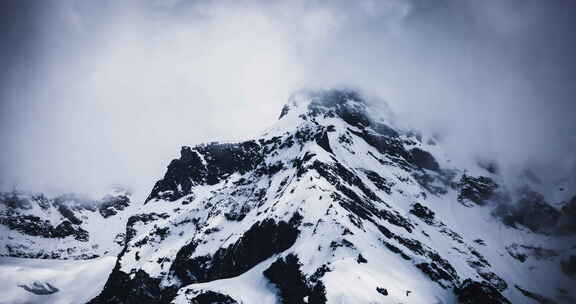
x: 77, y: 281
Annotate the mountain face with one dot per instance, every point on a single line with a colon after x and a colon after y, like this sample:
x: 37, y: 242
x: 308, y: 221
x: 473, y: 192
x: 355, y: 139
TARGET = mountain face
x: 333, y: 204
x: 65, y: 227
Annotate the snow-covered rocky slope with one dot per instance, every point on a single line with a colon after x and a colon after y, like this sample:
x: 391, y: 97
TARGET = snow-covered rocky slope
x: 64, y: 227
x: 334, y: 204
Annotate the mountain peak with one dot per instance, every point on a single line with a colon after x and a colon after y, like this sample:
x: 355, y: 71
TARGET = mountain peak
x: 322, y: 101
x: 330, y: 191
x: 325, y: 107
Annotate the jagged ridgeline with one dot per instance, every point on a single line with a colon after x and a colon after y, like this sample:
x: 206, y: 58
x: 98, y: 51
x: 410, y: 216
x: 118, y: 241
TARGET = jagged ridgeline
x: 68, y: 226
x: 334, y: 204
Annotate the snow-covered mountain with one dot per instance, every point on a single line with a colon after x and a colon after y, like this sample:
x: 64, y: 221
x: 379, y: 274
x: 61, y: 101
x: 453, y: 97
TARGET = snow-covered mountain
x: 67, y: 226
x: 334, y: 204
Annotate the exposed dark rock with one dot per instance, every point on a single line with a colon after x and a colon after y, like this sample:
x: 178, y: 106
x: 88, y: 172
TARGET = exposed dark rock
x: 285, y: 110
x: 380, y: 182
x: 270, y: 170
x: 144, y: 218
x: 423, y: 159
x: 120, y: 289
x: 440, y: 270
x: 350, y: 106
x: 205, y: 164
x: 342, y: 178
x: 436, y: 274
x: 385, y: 130
x: 382, y: 291
x: 567, y: 220
x: 34, y: 226
x: 66, y: 228
x: 110, y: 205
x: 317, y: 294
x: 472, y: 292
x: 364, y: 207
x: 480, y: 258
x: 237, y: 214
x: 531, y: 211
x: 332, y: 103
x: 239, y: 257
x: 323, y: 141
x: 386, y: 145
x: 69, y: 214
x: 40, y: 288
x: 319, y: 273
x: 494, y: 280
x: 21, y: 251
x: 341, y: 243
x: 434, y: 183
x: 423, y: 213
x: 451, y: 233
x: 28, y: 224
x: 361, y: 259
x: 397, y: 251
x: 211, y: 297
x: 120, y: 239
x: 522, y: 252
x: 292, y: 284
x: 411, y: 244
x: 476, y: 189
x: 480, y: 242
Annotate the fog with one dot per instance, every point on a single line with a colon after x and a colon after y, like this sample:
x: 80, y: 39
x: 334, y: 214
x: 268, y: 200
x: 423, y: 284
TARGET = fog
x: 99, y: 93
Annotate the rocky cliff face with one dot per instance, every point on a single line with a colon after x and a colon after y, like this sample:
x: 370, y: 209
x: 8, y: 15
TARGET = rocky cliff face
x: 64, y: 227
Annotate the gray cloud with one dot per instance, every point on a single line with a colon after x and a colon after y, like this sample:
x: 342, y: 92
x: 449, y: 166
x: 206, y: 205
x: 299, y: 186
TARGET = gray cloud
x: 96, y: 93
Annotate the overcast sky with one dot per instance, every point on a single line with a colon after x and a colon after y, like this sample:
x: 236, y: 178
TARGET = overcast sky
x: 95, y: 93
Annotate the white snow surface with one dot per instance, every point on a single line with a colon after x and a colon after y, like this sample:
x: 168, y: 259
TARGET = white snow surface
x: 77, y: 280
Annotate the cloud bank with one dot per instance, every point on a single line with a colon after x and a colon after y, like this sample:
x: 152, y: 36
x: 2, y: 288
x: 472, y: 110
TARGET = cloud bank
x: 96, y: 93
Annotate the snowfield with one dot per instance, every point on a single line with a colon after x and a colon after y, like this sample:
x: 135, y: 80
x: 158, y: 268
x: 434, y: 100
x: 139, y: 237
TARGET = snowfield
x: 77, y: 281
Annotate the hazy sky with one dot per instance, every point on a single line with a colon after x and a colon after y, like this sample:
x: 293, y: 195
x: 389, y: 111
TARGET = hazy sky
x: 95, y: 93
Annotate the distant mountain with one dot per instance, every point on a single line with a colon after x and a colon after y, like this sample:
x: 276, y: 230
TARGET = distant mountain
x: 64, y: 227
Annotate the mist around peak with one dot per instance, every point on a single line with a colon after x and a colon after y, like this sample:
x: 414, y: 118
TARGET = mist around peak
x: 102, y: 93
